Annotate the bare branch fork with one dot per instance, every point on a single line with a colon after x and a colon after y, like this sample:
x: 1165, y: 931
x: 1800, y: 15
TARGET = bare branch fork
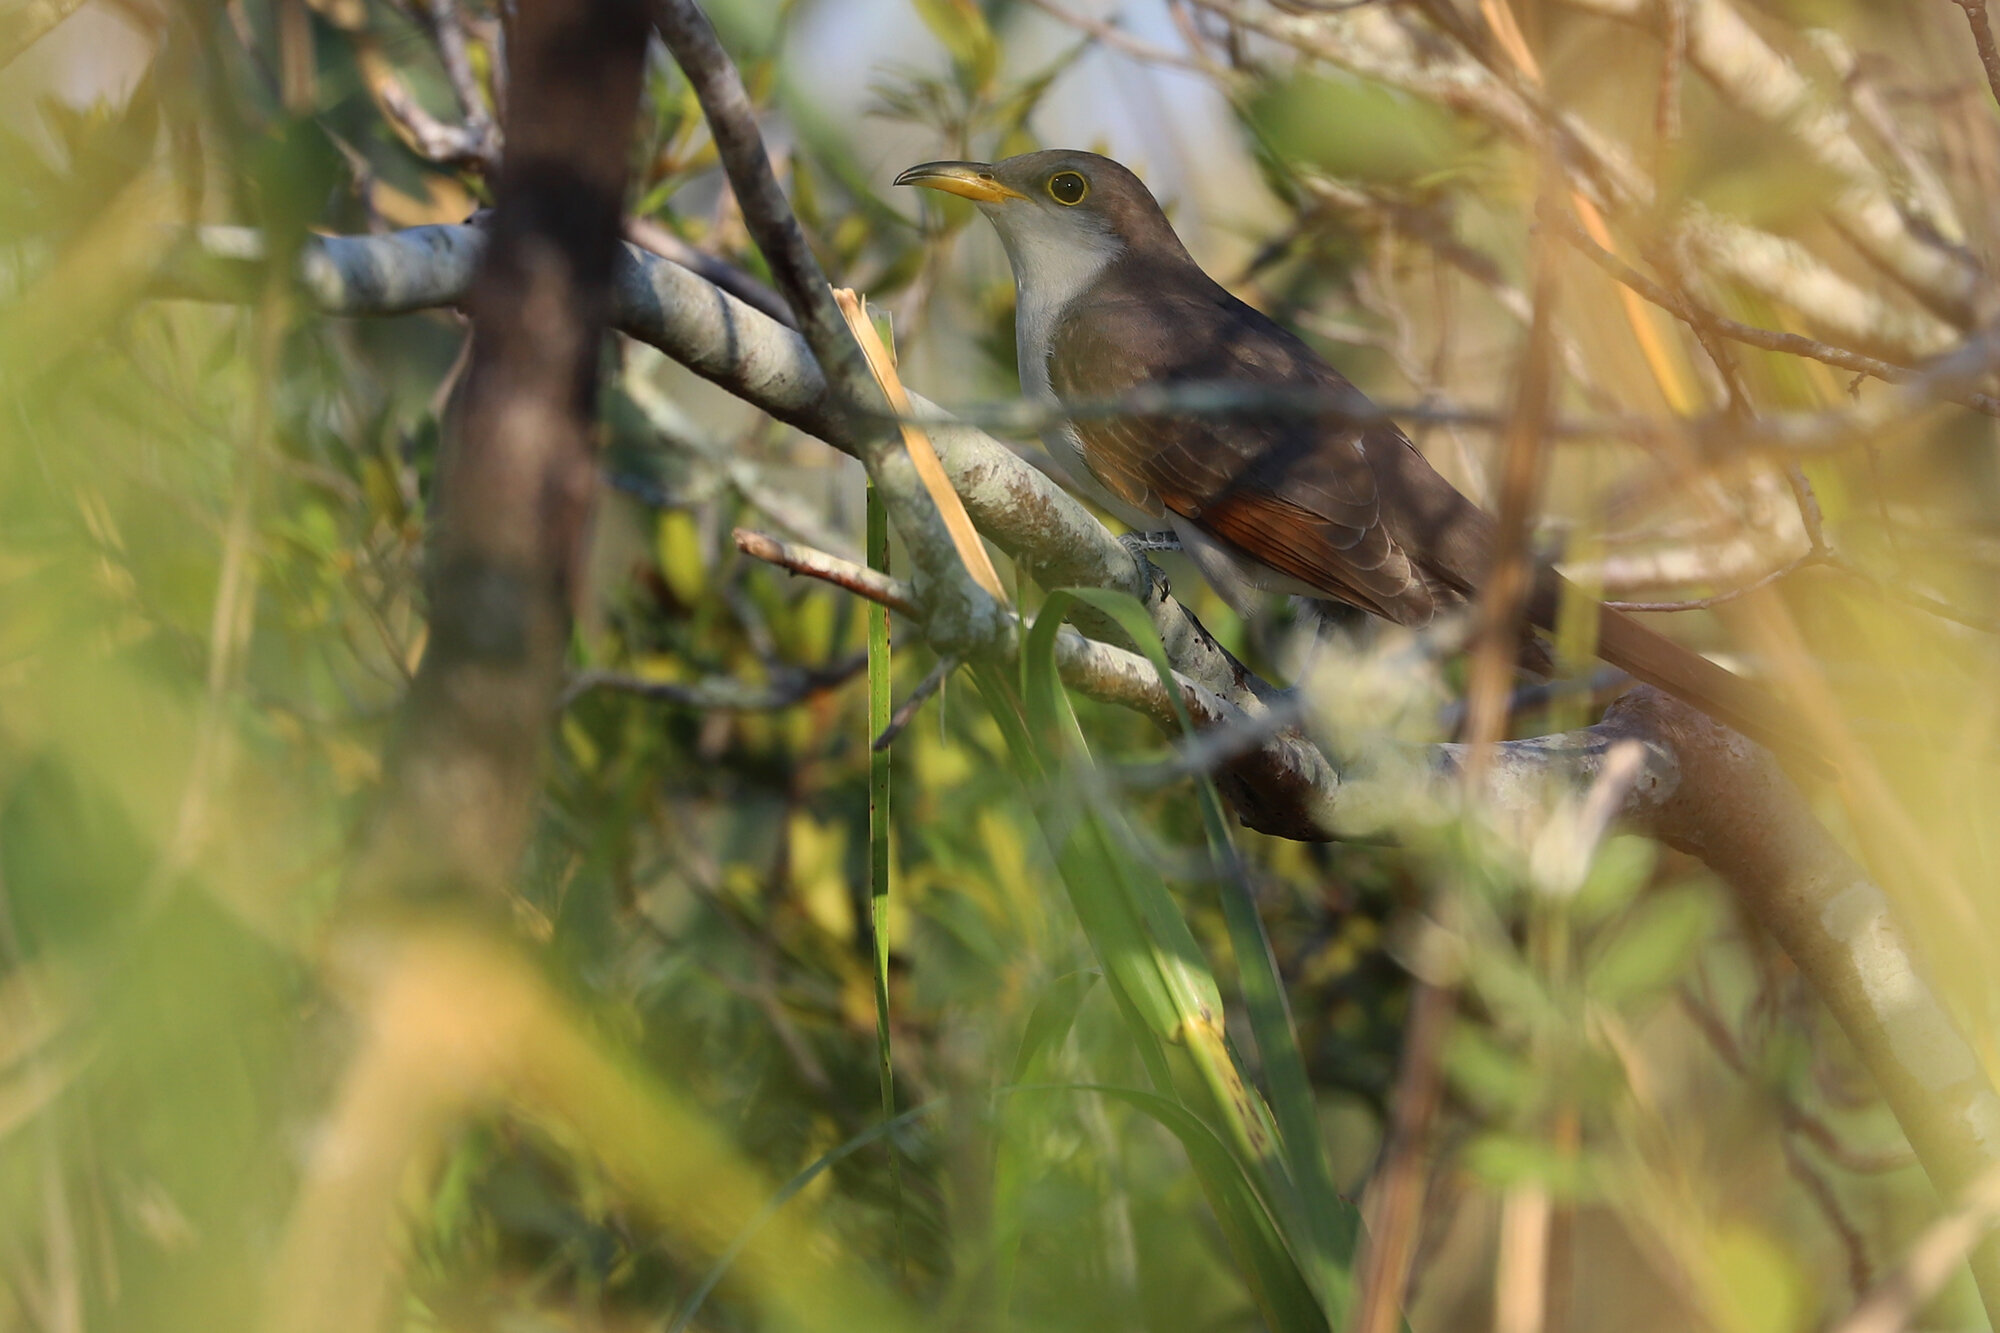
x: 960, y: 615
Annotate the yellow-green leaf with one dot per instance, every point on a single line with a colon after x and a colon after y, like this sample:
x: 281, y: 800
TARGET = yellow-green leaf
x: 963, y: 29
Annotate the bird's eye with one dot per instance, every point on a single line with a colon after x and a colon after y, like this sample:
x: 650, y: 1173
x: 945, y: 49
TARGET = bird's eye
x: 1068, y: 187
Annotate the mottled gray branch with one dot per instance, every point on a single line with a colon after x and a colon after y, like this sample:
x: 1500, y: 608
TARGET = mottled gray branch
x: 650, y: 235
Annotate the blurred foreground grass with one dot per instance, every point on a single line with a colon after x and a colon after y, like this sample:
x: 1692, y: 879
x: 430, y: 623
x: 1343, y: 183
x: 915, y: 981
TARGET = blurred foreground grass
x: 210, y: 526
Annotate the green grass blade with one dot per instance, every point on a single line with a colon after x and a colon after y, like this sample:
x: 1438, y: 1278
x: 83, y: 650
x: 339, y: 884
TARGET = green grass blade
x: 720, y: 1268
x: 1052, y: 1017
x: 879, y: 712
x: 1334, y: 1223
x: 1166, y: 992
x: 1243, y: 1212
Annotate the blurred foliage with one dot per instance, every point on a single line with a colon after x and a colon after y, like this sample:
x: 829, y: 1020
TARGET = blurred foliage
x: 211, y: 526
x: 1360, y: 131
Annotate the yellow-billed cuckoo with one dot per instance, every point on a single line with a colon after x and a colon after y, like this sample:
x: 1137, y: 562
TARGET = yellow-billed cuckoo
x: 1109, y: 302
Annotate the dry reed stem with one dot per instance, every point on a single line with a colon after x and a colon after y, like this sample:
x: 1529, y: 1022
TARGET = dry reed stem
x: 971, y: 549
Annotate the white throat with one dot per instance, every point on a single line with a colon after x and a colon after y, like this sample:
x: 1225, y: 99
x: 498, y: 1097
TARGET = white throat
x: 1054, y: 261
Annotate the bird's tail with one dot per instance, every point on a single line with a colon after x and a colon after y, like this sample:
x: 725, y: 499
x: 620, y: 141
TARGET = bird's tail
x: 1692, y: 678
x: 1657, y: 660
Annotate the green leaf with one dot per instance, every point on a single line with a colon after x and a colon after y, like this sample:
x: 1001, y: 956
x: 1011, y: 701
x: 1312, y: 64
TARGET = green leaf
x: 1053, y: 1016
x: 1334, y: 1224
x: 677, y: 548
x: 1652, y: 946
x: 1357, y: 130
x: 878, y: 829
x: 963, y: 29
x: 1164, y: 987
x: 1272, y: 1268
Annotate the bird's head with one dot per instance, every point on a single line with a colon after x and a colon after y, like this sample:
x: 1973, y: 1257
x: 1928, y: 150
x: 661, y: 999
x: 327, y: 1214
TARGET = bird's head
x: 1062, y: 204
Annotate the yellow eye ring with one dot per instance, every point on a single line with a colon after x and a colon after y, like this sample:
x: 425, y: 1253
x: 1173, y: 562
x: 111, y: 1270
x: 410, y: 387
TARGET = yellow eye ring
x: 1068, y: 187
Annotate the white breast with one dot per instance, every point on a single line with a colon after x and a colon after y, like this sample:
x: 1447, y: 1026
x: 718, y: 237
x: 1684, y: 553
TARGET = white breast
x: 1054, y: 262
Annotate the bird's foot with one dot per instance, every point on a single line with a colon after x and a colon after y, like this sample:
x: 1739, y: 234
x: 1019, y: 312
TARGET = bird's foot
x: 1145, y: 543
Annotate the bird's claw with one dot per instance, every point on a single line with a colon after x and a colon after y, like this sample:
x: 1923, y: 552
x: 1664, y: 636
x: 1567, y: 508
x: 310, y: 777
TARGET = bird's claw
x: 1145, y: 543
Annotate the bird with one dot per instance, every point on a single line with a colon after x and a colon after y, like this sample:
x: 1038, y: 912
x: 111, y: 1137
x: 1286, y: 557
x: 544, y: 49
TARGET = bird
x: 1337, y: 505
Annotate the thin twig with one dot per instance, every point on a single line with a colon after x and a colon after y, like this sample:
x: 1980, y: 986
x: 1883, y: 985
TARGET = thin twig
x: 1860, y: 1272
x: 1861, y: 1161
x: 860, y: 580
x: 650, y: 235
x: 1810, y: 514
x: 1704, y: 603
x: 1982, y: 37
x: 1117, y: 38
x: 926, y: 687
x: 788, y: 686
x: 1667, y: 111
x: 424, y: 134
x: 1935, y: 1256
x: 1396, y: 1194
x: 1796, y: 1118
x: 1771, y: 340
x: 447, y: 24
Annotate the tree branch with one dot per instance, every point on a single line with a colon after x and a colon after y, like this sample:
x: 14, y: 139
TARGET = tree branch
x: 1982, y: 38
x: 961, y: 617
x: 1771, y: 340
x: 1756, y: 78
x: 518, y: 476
x: 1379, y: 44
x: 1014, y: 504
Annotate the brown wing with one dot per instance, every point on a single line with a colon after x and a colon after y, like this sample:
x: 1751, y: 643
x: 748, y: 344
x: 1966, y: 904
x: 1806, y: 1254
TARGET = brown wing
x: 1353, y: 511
